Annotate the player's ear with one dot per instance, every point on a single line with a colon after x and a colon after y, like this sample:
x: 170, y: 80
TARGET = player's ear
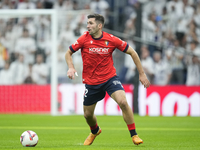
x: 100, y: 25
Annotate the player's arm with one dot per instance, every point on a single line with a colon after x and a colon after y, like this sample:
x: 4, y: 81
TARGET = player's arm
x: 71, y: 71
x: 142, y: 76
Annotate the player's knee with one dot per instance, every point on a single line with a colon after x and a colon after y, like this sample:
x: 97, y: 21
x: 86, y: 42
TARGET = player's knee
x: 123, y: 104
x: 88, y: 115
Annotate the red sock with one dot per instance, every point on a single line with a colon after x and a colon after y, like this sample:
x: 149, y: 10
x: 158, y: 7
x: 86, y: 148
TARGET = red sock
x: 131, y: 128
x: 94, y: 129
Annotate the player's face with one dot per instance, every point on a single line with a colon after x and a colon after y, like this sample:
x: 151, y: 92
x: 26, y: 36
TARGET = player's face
x: 93, y: 27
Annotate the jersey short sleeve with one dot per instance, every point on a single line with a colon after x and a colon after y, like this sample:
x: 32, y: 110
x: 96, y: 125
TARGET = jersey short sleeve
x: 78, y: 44
x: 121, y: 45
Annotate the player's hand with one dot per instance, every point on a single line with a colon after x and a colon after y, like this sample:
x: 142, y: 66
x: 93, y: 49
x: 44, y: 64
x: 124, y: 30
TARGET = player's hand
x: 71, y: 73
x: 143, y: 79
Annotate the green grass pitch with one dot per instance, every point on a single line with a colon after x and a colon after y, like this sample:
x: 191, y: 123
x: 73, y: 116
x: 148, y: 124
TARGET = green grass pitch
x: 69, y: 133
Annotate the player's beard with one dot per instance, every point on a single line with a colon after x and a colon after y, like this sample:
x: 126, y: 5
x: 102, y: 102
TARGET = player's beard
x: 94, y: 32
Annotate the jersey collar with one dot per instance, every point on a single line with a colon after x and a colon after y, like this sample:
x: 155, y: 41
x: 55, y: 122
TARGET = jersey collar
x: 99, y: 37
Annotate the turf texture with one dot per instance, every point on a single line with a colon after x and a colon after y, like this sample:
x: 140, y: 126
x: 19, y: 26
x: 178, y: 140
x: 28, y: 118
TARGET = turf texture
x: 69, y: 132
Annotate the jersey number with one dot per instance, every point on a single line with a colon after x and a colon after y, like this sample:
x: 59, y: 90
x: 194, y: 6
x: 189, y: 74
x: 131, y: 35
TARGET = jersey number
x: 86, y: 91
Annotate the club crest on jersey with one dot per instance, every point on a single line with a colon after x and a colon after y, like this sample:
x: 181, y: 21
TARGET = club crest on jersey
x: 106, y: 42
x: 91, y: 42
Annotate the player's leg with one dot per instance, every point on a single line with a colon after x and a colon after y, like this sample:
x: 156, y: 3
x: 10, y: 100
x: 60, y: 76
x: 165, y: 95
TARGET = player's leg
x: 120, y: 97
x: 92, y: 122
x: 93, y: 94
x: 89, y: 115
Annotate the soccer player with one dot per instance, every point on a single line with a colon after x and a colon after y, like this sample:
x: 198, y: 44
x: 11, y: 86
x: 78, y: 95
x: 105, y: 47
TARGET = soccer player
x: 99, y: 74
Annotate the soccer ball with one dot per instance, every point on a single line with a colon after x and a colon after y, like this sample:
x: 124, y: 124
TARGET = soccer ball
x: 29, y: 139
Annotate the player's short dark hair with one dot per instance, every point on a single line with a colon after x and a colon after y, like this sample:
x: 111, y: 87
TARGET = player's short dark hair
x: 99, y: 18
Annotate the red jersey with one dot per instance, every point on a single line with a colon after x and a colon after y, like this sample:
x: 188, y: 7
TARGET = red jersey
x: 97, y: 56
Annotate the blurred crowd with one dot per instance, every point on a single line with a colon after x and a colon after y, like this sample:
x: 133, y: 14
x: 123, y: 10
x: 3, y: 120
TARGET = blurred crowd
x: 175, y: 26
x: 25, y: 43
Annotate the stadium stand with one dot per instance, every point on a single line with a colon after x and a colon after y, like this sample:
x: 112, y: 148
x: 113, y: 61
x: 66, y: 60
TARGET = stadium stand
x: 174, y: 25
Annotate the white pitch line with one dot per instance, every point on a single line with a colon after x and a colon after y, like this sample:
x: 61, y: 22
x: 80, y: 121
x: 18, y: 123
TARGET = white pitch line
x: 86, y: 128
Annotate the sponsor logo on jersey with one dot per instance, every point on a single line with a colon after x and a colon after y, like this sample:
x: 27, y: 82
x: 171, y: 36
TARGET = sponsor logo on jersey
x: 106, y: 42
x: 98, y: 50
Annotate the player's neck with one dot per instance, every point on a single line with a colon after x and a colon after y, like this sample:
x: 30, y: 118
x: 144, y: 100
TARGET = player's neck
x: 97, y: 35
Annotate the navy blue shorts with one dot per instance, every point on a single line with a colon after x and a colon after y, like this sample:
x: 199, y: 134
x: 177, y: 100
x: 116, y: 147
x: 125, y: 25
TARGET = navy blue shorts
x: 95, y: 93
